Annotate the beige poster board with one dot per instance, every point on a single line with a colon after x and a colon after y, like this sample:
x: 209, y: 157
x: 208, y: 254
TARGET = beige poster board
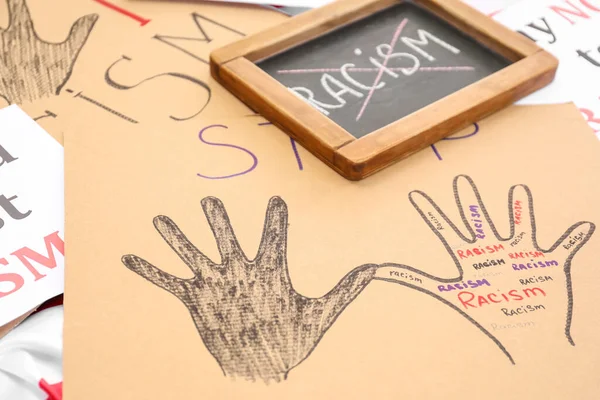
x: 160, y: 73
x: 140, y: 62
x: 286, y: 281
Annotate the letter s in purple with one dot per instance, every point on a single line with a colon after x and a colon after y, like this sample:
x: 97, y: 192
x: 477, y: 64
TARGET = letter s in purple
x: 203, y: 140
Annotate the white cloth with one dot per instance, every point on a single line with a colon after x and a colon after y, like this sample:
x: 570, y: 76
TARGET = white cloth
x: 31, y: 358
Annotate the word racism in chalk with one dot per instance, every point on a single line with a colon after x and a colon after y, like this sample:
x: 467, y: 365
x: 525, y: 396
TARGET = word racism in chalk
x: 7, y: 204
x: 352, y: 86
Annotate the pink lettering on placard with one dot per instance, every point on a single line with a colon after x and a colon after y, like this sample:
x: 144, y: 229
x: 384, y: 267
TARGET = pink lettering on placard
x: 569, y: 12
x: 589, y: 5
x: 590, y: 118
x: 27, y: 255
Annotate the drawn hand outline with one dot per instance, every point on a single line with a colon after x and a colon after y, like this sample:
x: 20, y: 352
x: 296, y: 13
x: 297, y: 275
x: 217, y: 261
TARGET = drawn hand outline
x: 32, y: 68
x: 247, y: 312
x: 482, y: 233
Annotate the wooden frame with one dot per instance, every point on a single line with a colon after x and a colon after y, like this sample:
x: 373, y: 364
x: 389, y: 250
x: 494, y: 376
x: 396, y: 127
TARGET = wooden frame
x: 234, y: 67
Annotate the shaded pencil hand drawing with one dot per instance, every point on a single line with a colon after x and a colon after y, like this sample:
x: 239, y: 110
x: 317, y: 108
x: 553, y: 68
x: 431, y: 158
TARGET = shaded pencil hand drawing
x: 30, y: 67
x: 246, y: 311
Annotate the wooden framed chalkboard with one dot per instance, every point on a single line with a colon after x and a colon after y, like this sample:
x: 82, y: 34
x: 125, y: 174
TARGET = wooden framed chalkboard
x: 364, y: 83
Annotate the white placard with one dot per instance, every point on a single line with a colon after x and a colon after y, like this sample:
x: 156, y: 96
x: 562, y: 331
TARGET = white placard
x: 31, y: 215
x: 570, y: 30
x: 490, y: 6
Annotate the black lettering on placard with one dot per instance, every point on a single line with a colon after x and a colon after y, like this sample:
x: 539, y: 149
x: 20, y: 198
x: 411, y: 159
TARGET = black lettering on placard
x: 6, y: 204
x: 5, y: 156
x: 164, y: 75
x: 377, y: 70
x: 544, y: 29
x: 592, y: 59
x: 172, y: 40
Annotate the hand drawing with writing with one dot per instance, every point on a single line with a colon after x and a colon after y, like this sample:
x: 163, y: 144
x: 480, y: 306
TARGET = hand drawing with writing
x: 258, y: 327
x: 32, y: 68
x: 499, y: 279
x: 247, y: 312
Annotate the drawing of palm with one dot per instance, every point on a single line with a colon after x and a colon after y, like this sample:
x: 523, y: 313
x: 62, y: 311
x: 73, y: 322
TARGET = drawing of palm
x: 500, y: 280
x: 30, y: 67
x: 257, y: 326
x: 246, y: 311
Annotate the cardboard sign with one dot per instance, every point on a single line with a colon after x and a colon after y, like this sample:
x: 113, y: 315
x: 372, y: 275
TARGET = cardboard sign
x: 223, y: 262
x: 142, y: 62
x: 139, y: 62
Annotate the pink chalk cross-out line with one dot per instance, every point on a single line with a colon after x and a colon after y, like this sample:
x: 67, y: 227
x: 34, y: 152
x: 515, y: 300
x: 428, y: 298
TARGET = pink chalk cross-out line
x: 324, y: 70
x: 379, y: 70
x: 385, y: 61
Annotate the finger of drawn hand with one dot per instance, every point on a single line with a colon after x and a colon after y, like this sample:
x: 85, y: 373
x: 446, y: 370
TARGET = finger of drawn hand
x: 157, y: 276
x: 273, y: 245
x: 188, y: 253
x: 220, y: 225
x: 572, y: 240
x: 79, y: 33
x: 472, y: 210
x: 437, y: 220
x: 521, y: 213
x: 334, y: 302
x: 408, y: 276
x: 18, y: 13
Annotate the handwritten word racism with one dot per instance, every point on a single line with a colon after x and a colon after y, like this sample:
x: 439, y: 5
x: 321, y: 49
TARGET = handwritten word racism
x: 470, y: 284
x: 8, y: 204
x: 573, y: 240
x: 478, y: 251
x: 518, y: 209
x: 477, y: 223
x: 471, y: 300
x: 533, y: 265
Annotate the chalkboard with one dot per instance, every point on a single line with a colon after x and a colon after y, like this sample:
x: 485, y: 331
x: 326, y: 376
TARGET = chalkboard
x: 372, y: 72
x: 364, y: 84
